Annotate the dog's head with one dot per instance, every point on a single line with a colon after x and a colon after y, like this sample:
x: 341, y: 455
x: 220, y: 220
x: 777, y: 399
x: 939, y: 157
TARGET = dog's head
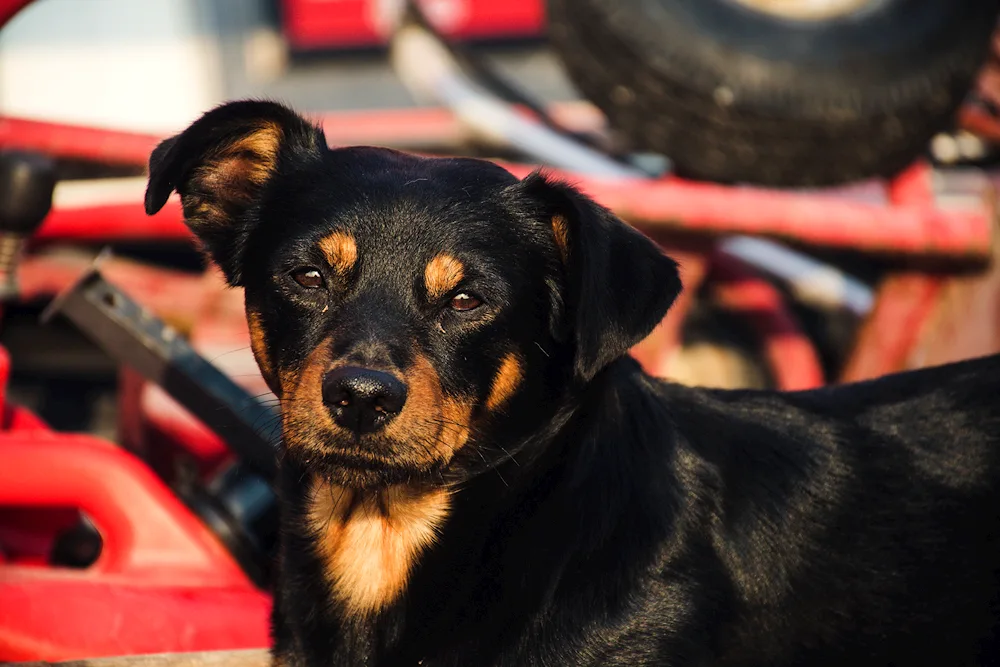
x: 406, y: 310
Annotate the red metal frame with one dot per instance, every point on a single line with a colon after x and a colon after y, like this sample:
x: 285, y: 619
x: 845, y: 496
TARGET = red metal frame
x: 404, y: 128
x: 176, y: 296
x: 76, y: 141
x: 320, y: 24
x: 905, y: 302
x: 147, y: 533
x: 907, y: 224
x: 162, y: 582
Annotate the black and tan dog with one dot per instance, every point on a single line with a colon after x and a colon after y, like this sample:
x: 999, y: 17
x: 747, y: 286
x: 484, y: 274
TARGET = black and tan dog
x: 474, y: 473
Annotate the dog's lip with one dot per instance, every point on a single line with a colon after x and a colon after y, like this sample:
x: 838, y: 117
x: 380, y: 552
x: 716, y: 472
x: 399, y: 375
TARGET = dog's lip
x: 360, y: 470
x: 354, y: 459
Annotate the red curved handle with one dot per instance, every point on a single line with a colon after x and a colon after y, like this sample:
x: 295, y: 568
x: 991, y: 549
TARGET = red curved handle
x: 147, y: 532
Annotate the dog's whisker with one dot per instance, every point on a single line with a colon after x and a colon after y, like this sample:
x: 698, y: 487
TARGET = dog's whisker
x: 509, y: 455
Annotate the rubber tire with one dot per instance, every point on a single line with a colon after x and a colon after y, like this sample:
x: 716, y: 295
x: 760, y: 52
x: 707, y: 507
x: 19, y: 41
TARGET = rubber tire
x: 735, y: 95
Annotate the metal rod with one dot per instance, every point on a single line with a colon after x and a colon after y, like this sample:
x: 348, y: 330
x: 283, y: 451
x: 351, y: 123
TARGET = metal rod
x: 811, y: 281
x: 429, y: 71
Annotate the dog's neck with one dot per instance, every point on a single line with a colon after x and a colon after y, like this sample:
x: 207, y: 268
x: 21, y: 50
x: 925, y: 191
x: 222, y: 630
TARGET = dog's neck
x: 370, y: 541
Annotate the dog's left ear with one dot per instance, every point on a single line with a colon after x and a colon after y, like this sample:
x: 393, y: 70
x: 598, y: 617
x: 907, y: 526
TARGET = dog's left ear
x: 221, y: 165
x: 619, y: 283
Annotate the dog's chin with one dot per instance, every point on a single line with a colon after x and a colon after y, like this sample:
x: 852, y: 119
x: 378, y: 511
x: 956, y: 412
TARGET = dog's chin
x: 358, y: 471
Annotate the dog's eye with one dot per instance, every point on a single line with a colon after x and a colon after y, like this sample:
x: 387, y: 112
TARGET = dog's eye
x: 465, y: 301
x: 308, y: 277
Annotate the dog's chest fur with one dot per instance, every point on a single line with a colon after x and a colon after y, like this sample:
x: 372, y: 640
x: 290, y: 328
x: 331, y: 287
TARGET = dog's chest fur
x: 368, y: 543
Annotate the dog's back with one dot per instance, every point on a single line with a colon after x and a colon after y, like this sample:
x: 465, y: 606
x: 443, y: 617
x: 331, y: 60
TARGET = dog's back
x: 849, y: 525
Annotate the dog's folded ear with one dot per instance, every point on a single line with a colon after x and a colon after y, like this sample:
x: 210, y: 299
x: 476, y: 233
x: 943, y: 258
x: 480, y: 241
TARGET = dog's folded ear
x: 221, y: 165
x: 619, y: 284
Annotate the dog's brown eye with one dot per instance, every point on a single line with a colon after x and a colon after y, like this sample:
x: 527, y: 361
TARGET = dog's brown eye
x: 464, y: 301
x: 308, y: 278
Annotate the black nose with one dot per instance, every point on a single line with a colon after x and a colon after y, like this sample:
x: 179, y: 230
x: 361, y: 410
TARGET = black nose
x: 361, y: 399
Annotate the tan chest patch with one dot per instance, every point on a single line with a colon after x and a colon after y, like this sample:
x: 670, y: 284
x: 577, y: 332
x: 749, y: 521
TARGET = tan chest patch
x: 370, y: 544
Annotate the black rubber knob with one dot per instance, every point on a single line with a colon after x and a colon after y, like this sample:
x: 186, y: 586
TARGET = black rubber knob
x: 27, y: 181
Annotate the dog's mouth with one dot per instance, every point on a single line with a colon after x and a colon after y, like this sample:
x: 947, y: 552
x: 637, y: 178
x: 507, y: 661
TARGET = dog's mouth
x: 366, y: 463
x: 325, y: 429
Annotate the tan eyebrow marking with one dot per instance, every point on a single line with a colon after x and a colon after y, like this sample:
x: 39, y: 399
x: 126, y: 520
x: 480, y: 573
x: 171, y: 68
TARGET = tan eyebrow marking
x: 442, y: 275
x: 505, y: 383
x: 340, y: 250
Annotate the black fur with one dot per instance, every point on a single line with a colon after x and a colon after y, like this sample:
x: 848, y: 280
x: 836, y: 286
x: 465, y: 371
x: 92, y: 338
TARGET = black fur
x: 601, y: 516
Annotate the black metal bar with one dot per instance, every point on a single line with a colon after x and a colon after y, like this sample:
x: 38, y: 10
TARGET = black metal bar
x: 133, y: 336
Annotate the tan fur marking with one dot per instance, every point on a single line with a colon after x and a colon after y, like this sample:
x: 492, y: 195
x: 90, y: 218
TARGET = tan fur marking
x: 437, y: 425
x: 251, y: 157
x: 560, y: 229
x: 505, y: 383
x: 305, y: 415
x: 456, y: 415
x: 263, y: 142
x: 442, y: 275
x: 259, y: 348
x: 369, y: 544
x: 341, y: 251
x: 207, y: 210
x: 229, y: 179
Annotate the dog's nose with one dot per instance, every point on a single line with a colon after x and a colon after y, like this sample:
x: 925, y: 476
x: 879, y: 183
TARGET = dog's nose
x: 361, y: 399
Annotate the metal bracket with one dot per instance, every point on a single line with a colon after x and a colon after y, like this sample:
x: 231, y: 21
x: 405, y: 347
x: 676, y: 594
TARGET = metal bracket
x: 133, y: 336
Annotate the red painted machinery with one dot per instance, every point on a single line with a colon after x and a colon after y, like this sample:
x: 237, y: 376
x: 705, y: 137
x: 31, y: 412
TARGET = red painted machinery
x: 162, y: 580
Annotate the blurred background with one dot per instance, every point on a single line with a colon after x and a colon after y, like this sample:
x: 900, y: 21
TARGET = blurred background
x: 155, y: 65
x: 824, y: 171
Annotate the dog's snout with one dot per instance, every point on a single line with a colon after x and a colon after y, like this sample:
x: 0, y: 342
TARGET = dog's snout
x: 361, y: 399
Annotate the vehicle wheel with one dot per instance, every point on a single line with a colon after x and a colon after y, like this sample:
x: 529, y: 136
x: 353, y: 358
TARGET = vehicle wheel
x: 776, y: 92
